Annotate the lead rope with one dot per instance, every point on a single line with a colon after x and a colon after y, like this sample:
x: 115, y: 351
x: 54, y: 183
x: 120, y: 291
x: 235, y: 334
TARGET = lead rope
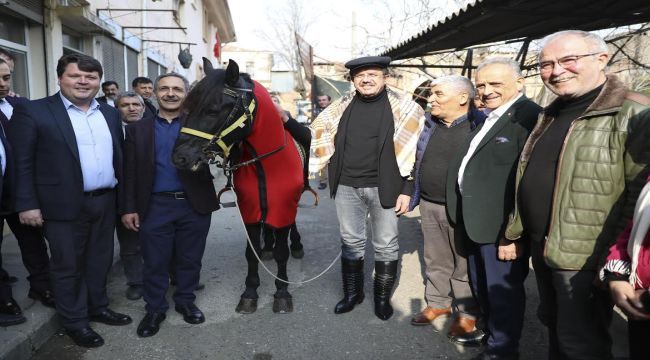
x: 250, y: 243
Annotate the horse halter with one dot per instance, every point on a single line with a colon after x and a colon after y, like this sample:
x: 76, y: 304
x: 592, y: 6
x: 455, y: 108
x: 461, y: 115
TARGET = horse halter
x: 218, y: 142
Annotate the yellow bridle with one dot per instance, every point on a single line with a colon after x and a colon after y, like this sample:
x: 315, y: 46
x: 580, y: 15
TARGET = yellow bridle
x: 216, y: 139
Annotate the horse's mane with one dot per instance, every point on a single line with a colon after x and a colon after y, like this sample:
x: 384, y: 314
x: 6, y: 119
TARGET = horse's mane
x: 206, y: 94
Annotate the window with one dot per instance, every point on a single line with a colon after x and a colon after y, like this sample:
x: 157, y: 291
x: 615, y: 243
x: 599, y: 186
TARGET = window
x: 13, y: 38
x: 72, y: 42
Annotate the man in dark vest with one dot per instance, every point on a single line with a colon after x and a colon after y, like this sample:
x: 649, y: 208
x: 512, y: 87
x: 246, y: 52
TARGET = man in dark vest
x: 369, y: 138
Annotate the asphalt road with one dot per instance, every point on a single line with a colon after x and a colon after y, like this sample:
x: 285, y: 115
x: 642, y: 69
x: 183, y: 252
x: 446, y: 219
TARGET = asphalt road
x: 312, y: 331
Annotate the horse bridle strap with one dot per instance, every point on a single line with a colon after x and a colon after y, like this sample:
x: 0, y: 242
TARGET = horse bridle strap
x: 216, y: 138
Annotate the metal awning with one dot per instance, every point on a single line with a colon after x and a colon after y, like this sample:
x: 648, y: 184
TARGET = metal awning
x: 489, y: 21
x: 81, y: 19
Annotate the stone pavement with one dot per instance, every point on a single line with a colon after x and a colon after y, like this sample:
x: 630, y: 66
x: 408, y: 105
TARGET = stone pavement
x: 311, y: 331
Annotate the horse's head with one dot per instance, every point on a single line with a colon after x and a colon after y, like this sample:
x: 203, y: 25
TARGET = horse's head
x: 218, y: 115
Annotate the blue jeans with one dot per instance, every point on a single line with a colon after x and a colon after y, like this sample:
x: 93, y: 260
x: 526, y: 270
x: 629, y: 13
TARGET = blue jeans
x: 353, y: 207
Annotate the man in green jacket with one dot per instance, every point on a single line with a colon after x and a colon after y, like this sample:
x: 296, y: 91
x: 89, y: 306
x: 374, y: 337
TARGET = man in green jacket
x: 576, y: 187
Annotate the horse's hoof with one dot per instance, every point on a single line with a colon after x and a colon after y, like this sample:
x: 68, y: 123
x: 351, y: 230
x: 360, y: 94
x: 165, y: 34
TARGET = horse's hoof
x: 246, y: 306
x: 282, y: 305
x: 266, y: 255
x: 297, y: 254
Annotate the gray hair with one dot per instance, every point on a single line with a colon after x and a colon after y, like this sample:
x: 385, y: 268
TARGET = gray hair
x: 172, y: 74
x: 129, y: 94
x: 595, y: 42
x: 458, y: 83
x: 503, y: 61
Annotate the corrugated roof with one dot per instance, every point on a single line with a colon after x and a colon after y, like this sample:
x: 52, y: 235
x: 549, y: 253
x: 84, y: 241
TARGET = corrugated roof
x: 487, y: 21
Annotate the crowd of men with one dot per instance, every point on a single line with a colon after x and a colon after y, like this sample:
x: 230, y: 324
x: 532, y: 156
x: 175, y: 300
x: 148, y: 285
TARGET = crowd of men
x: 498, y: 179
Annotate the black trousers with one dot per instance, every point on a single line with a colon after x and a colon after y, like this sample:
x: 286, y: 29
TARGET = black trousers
x: 576, y: 313
x: 130, y: 254
x: 639, y: 334
x: 33, y: 251
x: 82, y: 255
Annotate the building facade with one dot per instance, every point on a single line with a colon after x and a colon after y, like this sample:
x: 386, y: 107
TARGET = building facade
x: 129, y: 37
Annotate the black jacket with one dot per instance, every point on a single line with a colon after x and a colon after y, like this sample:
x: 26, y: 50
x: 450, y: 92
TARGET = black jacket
x: 488, y: 181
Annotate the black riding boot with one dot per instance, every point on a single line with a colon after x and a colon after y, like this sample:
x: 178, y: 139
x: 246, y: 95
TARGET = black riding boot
x: 352, y: 271
x: 385, y: 273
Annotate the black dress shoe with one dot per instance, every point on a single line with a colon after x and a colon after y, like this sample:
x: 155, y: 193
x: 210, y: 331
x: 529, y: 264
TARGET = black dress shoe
x: 486, y: 355
x: 10, y: 308
x: 9, y: 279
x: 474, y: 338
x: 150, y: 324
x: 134, y: 292
x: 110, y: 317
x: 45, y: 297
x: 8, y: 320
x: 86, y: 337
x: 191, y: 313
x: 322, y: 186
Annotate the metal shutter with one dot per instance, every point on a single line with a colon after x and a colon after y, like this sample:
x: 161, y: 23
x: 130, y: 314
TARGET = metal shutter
x: 131, y: 65
x: 152, y: 70
x: 113, y: 61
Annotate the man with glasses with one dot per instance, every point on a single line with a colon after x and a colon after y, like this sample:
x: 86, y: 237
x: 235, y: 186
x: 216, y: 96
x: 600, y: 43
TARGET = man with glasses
x: 369, y: 138
x: 578, y: 179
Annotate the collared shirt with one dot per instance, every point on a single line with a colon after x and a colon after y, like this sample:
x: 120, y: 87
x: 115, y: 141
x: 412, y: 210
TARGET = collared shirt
x: 6, y: 108
x: 110, y: 102
x: 492, y: 118
x: 166, y: 175
x: 3, y: 152
x: 95, y: 145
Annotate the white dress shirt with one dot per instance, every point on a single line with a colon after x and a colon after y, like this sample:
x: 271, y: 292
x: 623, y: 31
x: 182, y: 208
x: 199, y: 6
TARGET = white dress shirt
x: 489, y: 122
x: 95, y: 145
x: 6, y: 108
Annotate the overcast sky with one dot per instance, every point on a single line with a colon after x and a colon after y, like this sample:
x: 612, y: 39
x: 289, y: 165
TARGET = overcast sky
x: 330, y: 23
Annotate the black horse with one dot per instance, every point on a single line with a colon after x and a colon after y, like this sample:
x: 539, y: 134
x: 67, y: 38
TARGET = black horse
x: 229, y: 115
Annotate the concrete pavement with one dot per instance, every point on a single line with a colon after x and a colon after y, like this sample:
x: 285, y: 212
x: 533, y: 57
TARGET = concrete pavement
x: 311, y: 331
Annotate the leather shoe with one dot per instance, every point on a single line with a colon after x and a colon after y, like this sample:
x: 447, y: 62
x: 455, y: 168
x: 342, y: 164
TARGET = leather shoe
x: 134, y: 292
x: 199, y: 286
x: 426, y: 316
x: 322, y: 186
x: 110, y: 317
x: 8, y: 320
x: 10, y: 308
x: 45, y: 297
x: 150, y: 324
x: 9, y: 279
x: 461, y: 326
x: 85, y: 337
x: 474, y: 338
x: 191, y: 313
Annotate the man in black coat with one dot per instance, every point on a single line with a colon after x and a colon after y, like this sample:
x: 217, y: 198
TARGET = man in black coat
x: 480, y: 195
x: 68, y: 157
x: 143, y: 86
x: 30, y: 240
x: 170, y: 209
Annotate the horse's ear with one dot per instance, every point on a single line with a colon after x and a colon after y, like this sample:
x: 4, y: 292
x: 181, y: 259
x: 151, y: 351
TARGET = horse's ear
x: 207, y: 66
x: 232, y: 73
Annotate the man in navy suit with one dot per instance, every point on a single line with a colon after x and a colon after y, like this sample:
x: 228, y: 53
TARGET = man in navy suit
x: 480, y: 195
x: 68, y: 160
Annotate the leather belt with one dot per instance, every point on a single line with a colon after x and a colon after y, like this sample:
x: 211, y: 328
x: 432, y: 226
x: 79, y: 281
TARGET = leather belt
x: 178, y: 195
x: 98, y: 192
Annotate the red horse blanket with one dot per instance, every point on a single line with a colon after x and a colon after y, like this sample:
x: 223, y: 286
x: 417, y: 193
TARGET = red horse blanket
x: 281, y: 181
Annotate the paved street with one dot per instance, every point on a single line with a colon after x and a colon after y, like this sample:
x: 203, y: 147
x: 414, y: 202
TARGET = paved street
x: 311, y: 331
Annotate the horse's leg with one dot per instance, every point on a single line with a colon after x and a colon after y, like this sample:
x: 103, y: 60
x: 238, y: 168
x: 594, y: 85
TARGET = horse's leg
x: 269, y: 242
x: 282, y: 299
x: 296, y: 247
x: 248, y: 302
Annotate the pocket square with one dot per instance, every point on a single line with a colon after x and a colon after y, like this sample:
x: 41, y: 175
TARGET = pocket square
x: 501, y: 140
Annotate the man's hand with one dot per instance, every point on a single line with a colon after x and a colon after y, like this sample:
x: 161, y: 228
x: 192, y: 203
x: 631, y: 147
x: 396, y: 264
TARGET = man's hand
x: 509, y: 250
x: 131, y: 221
x: 402, y: 204
x: 31, y: 217
x: 627, y: 299
x: 283, y: 114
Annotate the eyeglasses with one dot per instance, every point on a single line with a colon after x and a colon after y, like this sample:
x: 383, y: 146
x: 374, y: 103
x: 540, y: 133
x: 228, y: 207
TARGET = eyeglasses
x: 567, y: 62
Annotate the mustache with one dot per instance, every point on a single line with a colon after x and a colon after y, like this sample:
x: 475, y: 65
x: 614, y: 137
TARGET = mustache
x: 170, y: 98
